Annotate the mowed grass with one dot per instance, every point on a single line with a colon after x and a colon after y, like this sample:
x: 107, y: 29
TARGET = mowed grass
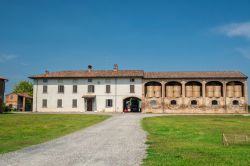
x: 22, y: 130
x: 195, y: 140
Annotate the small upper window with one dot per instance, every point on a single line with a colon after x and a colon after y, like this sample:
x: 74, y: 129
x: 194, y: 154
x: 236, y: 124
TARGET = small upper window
x: 173, y: 102
x: 214, y: 102
x: 45, y: 80
x: 132, y: 80
x: 90, y: 80
x: 235, y: 102
x: 194, y: 102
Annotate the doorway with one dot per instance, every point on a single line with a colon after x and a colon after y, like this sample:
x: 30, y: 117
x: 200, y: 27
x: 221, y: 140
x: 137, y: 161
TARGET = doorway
x: 132, y: 104
x: 89, y: 103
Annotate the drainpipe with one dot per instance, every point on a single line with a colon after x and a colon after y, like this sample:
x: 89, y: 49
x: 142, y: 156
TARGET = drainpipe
x: 115, y: 94
x: 36, y: 92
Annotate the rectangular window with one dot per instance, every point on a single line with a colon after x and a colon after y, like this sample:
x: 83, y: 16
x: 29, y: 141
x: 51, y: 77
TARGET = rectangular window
x: 74, y: 88
x: 107, y: 88
x: 132, y: 80
x: 90, y: 80
x: 45, y: 88
x: 91, y: 88
x: 44, y: 103
x: 132, y: 89
x: 59, y: 103
x: 74, y: 103
x: 109, y: 103
x: 60, y: 89
x: 45, y: 80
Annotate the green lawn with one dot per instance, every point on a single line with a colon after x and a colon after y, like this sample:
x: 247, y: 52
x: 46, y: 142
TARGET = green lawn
x: 195, y: 140
x: 21, y: 130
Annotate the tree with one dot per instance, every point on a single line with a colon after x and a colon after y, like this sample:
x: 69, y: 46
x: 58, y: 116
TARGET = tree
x: 24, y: 87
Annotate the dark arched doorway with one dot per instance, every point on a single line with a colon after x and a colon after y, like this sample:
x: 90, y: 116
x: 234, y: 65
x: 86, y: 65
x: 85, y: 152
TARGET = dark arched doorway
x: 132, y: 104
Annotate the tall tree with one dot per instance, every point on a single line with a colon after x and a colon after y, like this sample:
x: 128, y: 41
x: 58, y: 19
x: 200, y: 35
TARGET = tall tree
x: 24, y: 87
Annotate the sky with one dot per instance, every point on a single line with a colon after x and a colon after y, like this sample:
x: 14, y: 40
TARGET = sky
x: 152, y: 35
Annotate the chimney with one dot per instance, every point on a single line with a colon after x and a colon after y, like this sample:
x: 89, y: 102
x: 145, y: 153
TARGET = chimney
x: 115, y: 67
x: 90, y: 68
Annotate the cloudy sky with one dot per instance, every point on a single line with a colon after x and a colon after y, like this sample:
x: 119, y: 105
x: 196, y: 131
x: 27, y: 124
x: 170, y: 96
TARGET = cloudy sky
x: 154, y: 35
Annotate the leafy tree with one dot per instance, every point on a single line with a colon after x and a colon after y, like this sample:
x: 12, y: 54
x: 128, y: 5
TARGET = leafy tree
x: 24, y: 87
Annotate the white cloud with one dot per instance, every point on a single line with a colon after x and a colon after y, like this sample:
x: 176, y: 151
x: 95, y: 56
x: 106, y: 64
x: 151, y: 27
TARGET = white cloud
x: 245, y: 52
x: 6, y: 57
x: 235, y: 30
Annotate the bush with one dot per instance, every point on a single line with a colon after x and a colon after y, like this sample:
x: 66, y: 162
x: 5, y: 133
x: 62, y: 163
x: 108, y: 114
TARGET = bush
x: 6, y: 108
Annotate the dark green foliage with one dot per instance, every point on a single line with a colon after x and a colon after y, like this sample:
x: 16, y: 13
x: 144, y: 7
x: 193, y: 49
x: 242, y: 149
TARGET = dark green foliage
x: 24, y: 87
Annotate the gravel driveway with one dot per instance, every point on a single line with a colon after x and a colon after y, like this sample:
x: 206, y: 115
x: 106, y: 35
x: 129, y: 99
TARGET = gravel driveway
x: 117, y: 141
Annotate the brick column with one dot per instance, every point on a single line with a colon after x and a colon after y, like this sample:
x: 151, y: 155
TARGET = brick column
x: 246, y: 94
x: 204, y: 94
x: 163, y: 95
x: 183, y: 90
x: 24, y: 103
x: 225, y: 95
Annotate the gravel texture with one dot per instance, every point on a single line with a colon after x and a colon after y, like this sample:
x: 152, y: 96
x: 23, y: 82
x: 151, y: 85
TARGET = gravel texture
x: 118, y: 141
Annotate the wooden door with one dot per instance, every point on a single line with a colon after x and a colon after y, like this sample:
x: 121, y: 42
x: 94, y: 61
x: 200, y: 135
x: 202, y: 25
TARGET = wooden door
x: 89, y: 105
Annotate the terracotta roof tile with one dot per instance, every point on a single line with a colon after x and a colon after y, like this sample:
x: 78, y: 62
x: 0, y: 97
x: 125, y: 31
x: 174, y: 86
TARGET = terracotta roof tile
x: 225, y: 74
x: 138, y: 73
x: 91, y: 74
x: 2, y: 78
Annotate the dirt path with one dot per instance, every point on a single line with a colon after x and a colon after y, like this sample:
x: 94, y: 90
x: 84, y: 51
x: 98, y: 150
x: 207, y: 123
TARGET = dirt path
x: 116, y: 141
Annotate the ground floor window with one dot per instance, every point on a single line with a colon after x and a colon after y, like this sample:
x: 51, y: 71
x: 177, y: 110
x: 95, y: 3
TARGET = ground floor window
x: 109, y: 103
x: 173, y: 102
x: 44, y: 104
x: 59, y: 103
x: 214, y: 102
x: 235, y: 102
x: 74, y: 103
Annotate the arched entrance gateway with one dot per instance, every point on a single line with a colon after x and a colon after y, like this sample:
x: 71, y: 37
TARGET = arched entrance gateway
x: 132, y: 104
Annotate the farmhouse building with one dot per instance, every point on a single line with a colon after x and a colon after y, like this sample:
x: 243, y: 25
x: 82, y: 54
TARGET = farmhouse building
x: 138, y: 91
x: 19, y: 101
x: 2, y: 88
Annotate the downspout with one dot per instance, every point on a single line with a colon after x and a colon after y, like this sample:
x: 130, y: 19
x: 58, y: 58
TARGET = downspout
x: 115, y: 94
x: 36, y: 93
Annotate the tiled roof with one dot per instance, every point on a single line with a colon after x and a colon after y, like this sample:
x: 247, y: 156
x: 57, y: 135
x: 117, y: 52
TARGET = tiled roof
x: 21, y: 94
x: 138, y: 73
x: 91, y: 74
x: 224, y: 74
x: 2, y: 78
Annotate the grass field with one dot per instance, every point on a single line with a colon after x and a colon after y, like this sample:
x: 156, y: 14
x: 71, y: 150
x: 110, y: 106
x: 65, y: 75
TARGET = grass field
x: 195, y: 140
x: 22, y: 130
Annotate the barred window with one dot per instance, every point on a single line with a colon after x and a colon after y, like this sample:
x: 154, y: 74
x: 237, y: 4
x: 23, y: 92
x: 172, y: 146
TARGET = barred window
x: 59, y: 103
x: 44, y: 103
x: 109, y: 103
x: 214, y: 102
x: 74, y: 103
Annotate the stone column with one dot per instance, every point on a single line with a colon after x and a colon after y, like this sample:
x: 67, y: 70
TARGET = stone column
x: 246, y: 94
